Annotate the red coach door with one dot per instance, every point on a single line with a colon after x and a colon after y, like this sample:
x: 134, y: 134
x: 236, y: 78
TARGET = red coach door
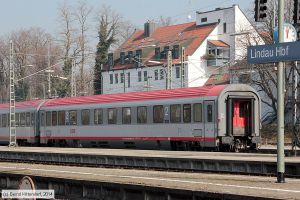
x: 241, y: 117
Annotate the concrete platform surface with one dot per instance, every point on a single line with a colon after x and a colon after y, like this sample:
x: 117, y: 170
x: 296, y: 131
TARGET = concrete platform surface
x: 216, y: 183
x: 154, y: 153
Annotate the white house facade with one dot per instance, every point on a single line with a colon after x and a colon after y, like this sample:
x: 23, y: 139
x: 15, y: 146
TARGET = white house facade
x: 199, y: 50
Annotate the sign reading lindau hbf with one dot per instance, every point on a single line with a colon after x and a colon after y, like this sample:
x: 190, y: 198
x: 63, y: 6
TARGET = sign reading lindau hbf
x: 289, y: 51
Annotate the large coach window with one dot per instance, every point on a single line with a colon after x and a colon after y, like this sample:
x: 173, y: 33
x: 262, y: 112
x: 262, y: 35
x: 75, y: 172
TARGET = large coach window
x: 73, y: 117
x: 4, y: 120
x: 22, y: 119
x: 209, y: 113
x: 48, y: 118
x: 85, y: 117
x: 126, y: 115
x: 61, y: 118
x: 198, y: 112
x: 175, y: 113
x: 98, y: 116
x: 17, y: 119
x: 54, y: 118
x: 112, y: 116
x: 32, y: 119
x: 187, y: 113
x: 28, y: 119
x: 42, y: 118
x: 142, y: 114
x: 158, y: 114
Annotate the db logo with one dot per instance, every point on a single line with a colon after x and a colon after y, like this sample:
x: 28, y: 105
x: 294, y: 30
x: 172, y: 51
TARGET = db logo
x: 72, y: 131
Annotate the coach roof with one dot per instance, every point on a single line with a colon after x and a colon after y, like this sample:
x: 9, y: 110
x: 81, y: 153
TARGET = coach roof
x: 138, y: 96
x: 25, y: 104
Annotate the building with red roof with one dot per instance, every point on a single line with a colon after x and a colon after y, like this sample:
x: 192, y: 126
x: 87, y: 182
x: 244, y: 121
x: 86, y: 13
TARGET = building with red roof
x: 196, y: 50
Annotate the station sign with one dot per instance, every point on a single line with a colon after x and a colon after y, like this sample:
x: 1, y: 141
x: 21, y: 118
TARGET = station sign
x: 289, y: 51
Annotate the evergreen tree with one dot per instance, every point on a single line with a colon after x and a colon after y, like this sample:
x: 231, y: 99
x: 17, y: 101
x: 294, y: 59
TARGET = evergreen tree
x: 107, y: 34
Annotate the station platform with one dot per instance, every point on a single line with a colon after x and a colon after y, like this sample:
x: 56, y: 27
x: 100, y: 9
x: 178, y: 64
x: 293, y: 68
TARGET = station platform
x: 86, y: 182
x: 245, y: 163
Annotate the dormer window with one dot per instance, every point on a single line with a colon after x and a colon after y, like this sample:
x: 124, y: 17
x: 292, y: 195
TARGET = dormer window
x: 157, y: 53
x: 138, y: 57
x: 122, y: 58
x: 204, y: 19
x: 130, y: 55
x: 164, y: 54
x: 175, y: 51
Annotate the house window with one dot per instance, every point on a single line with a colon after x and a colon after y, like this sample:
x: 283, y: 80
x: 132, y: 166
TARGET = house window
x: 162, y: 74
x: 122, y: 77
x: 156, y: 74
x: 177, y: 72
x: 111, y: 78
x: 139, y: 76
x: 224, y: 28
x: 204, y: 19
x: 116, y: 78
x: 128, y: 79
x: 218, y: 52
x: 145, y: 76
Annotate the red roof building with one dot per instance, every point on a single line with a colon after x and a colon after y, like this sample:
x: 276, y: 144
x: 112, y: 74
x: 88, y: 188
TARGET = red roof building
x: 180, y: 55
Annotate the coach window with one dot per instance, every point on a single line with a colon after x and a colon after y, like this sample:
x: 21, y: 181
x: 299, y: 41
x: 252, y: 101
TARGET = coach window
x: 48, y: 118
x: 198, y: 112
x: 61, y: 118
x: 54, y: 118
x: 4, y: 120
x: 126, y: 115
x: 175, y: 113
x: 85, y: 117
x: 142, y: 114
x: 112, y: 116
x: 42, y: 118
x: 22, y: 119
x: 17, y: 119
x: 158, y: 114
x: 28, y: 119
x: 98, y: 116
x: 209, y: 113
x: 187, y: 113
x: 73, y: 117
x: 32, y: 119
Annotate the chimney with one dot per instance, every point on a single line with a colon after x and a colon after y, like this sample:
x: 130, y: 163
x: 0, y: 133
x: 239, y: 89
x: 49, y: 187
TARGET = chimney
x: 149, y: 28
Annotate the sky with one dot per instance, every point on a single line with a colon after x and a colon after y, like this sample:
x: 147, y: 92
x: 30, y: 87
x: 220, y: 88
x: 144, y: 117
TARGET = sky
x: 18, y: 14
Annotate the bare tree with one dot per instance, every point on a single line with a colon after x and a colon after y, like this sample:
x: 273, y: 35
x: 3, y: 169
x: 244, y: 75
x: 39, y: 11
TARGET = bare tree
x: 165, y: 21
x: 82, y: 14
x: 70, y: 49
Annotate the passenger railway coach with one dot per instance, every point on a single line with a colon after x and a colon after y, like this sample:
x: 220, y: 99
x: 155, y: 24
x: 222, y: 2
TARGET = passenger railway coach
x: 220, y: 117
